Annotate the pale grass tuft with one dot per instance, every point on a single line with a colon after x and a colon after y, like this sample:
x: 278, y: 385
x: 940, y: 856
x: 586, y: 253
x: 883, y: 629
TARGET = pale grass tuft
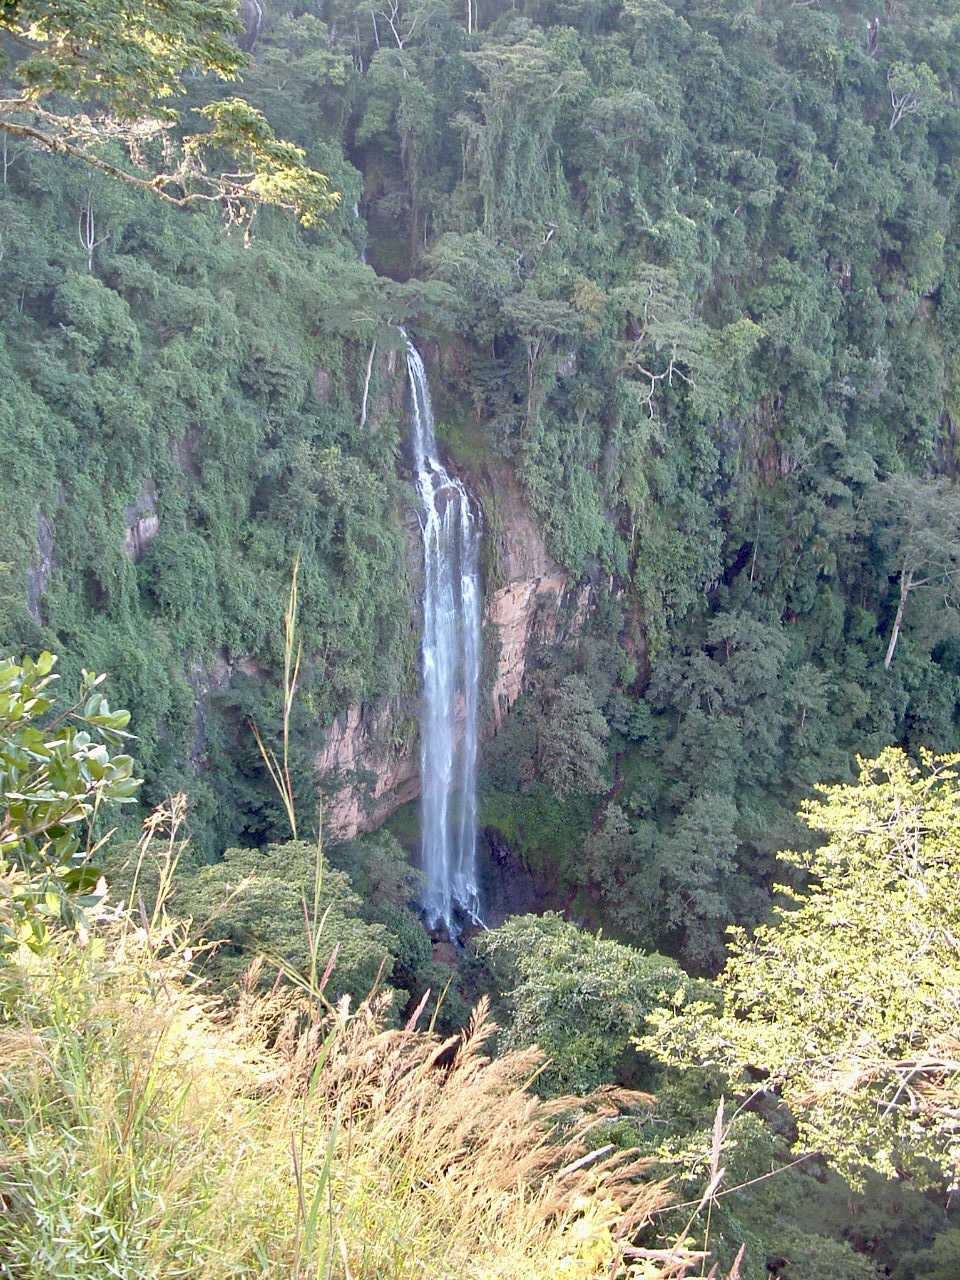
x: 148, y: 1132
x: 479, y: 1158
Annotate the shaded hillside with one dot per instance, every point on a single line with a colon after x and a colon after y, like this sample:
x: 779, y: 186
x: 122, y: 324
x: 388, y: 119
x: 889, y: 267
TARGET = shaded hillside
x: 693, y: 270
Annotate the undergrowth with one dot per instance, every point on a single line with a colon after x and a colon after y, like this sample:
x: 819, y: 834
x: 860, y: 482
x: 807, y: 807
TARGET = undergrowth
x: 149, y: 1131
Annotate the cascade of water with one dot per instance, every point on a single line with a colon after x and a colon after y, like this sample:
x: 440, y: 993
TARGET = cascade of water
x: 450, y: 653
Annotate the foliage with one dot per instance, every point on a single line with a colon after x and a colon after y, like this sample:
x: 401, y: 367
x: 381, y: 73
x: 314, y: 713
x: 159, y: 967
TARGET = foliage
x: 129, y: 64
x: 378, y: 869
x: 692, y: 272
x: 918, y: 523
x: 937, y: 1262
x: 120, y: 64
x: 570, y: 740
x: 147, y: 1136
x: 266, y: 901
x: 581, y: 998
x: 688, y: 281
x: 545, y: 834
x: 846, y: 1005
x: 174, y: 389
x: 57, y: 773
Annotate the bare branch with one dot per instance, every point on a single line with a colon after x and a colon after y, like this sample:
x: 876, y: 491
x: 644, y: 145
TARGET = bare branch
x: 60, y: 146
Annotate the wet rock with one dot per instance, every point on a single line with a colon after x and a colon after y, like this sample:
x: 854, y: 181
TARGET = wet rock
x: 446, y: 953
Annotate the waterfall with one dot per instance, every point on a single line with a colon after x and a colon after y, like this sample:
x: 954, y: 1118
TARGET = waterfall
x: 450, y: 654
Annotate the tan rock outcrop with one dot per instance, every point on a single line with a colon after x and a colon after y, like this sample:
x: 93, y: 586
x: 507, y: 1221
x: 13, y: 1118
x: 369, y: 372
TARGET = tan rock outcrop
x: 369, y: 766
x: 538, y: 605
x: 142, y: 522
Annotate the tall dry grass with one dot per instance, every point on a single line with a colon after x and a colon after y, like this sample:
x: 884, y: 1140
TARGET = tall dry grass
x: 148, y: 1132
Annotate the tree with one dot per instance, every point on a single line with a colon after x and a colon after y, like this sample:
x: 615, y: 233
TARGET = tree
x: 55, y: 777
x: 540, y: 322
x: 666, y: 344
x: 571, y: 734
x: 579, y: 997
x: 914, y: 91
x: 122, y: 65
x: 697, y: 865
x: 848, y: 1004
x: 529, y: 79
x: 921, y: 522
x: 288, y: 904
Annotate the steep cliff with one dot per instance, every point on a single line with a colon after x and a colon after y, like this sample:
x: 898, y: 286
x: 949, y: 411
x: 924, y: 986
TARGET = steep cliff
x: 369, y: 764
x: 537, y: 604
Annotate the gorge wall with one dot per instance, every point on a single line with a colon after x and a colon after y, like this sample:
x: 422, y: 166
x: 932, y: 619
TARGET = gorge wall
x: 369, y: 764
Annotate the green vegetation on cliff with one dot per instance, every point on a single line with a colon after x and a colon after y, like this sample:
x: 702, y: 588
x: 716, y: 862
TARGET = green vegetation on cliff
x: 694, y: 271
x: 691, y: 268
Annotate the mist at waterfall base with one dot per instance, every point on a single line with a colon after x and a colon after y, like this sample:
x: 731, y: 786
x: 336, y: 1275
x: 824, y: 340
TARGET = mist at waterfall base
x: 450, y: 664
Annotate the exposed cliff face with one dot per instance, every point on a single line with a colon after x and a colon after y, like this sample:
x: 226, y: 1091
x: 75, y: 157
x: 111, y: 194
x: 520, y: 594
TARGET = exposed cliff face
x: 537, y: 605
x: 142, y: 522
x: 38, y: 573
x: 370, y: 765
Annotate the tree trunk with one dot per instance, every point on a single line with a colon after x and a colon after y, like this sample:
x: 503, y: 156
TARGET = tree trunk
x: 906, y: 581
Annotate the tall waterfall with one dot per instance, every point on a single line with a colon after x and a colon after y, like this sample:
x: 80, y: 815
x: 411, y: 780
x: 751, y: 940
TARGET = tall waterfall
x: 450, y: 653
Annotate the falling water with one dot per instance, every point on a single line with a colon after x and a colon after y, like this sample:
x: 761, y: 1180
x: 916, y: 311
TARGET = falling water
x: 451, y: 674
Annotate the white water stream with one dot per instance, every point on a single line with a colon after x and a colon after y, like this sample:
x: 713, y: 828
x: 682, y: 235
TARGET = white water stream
x: 450, y: 653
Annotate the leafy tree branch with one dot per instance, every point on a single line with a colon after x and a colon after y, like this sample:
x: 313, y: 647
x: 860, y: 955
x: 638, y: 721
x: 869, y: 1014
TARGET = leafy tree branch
x: 119, y: 69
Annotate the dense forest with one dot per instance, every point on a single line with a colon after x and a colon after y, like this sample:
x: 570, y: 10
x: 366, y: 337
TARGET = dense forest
x: 689, y: 272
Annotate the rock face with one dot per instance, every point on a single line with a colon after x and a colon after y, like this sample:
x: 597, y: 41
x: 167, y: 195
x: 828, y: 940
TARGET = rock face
x: 369, y: 766
x: 142, y: 522
x: 370, y: 763
x: 538, y: 605
x: 38, y: 574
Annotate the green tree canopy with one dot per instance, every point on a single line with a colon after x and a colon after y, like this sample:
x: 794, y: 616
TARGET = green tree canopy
x: 918, y: 523
x: 115, y: 57
x: 577, y: 996
x: 848, y: 1004
x: 120, y: 66
x: 258, y: 902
